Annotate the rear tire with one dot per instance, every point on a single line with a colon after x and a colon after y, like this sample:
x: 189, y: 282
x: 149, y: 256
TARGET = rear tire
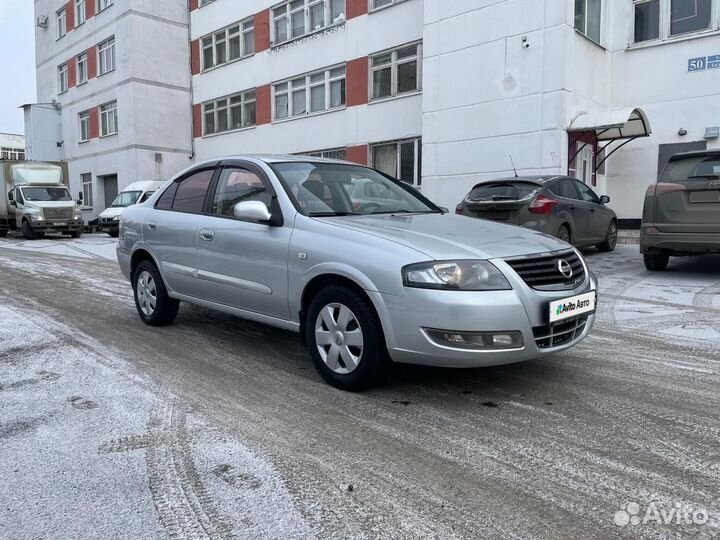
x: 152, y: 301
x: 564, y: 234
x: 27, y: 231
x: 3, y: 233
x: 656, y: 262
x: 345, y: 339
x: 75, y: 234
x: 610, y: 238
x: 114, y: 234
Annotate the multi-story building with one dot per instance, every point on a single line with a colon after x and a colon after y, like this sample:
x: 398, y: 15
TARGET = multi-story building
x: 12, y: 146
x: 440, y: 94
x: 118, y: 73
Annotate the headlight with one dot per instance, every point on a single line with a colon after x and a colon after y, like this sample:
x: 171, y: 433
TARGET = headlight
x: 116, y: 218
x: 455, y: 275
x: 36, y: 216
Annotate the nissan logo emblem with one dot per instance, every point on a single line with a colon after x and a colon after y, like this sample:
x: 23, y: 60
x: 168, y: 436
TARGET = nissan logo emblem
x: 564, y: 268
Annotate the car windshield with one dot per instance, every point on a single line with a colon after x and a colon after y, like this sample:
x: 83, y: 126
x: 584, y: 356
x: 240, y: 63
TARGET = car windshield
x: 330, y: 189
x: 126, y: 198
x: 692, y: 167
x: 502, y: 191
x: 46, y: 194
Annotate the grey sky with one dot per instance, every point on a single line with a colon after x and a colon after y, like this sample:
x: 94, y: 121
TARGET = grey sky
x: 17, y: 41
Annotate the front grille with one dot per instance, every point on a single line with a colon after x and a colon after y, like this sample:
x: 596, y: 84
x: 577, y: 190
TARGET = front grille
x: 58, y: 213
x: 542, y: 272
x: 549, y: 336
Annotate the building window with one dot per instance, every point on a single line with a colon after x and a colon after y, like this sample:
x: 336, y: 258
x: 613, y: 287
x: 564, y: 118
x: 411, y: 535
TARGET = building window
x: 229, y: 113
x: 108, y: 119
x: 588, y: 15
x: 229, y: 44
x: 104, y: 4
x: 205, y: 2
x: 335, y: 153
x: 82, y: 72
x: 660, y: 19
x: 17, y: 154
x: 106, y: 56
x: 79, y: 12
x: 87, y: 190
x: 311, y: 93
x: 399, y: 159
x: 63, y: 79
x: 84, y: 119
x: 396, y: 72
x: 61, y: 23
x: 300, y: 17
x: 377, y: 4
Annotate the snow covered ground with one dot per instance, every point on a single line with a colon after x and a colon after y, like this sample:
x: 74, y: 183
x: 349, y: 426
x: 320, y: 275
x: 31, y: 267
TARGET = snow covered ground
x: 87, y: 246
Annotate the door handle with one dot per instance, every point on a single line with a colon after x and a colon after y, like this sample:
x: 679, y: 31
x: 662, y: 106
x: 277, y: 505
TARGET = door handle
x: 207, y: 235
x: 152, y: 225
x: 572, y: 207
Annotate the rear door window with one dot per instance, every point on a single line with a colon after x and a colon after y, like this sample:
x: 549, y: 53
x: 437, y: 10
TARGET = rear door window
x: 564, y: 188
x: 191, y: 192
x: 502, y: 191
x: 691, y: 168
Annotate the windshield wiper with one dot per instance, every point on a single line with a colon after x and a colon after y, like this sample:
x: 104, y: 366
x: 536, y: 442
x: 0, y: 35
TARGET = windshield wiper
x: 710, y: 175
x: 331, y: 214
x: 405, y: 212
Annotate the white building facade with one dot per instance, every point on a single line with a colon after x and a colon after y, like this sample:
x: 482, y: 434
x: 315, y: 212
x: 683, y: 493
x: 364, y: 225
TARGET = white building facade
x: 117, y: 72
x: 12, y: 146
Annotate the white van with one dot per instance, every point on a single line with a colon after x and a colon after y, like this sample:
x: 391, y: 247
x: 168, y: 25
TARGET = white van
x: 135, y: 193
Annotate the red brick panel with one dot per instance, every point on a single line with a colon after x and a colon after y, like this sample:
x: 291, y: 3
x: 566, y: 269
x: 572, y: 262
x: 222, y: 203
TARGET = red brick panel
x: 70, y: 15
x: 262, y: 31
x: 89, y: 9
x: 356, y: 8
x: 94, y: 123
x: 357, y: 154
x: 92, y: 62
x: 194, y: 5
x: 195, y: 56
x: 72, y: 72
x: 357, y: 82
x: 197, y: 120
x: 263, y: 114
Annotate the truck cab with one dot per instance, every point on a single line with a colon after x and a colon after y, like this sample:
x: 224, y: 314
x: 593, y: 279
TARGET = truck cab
x: 135, y: 193
x: 37, y: 201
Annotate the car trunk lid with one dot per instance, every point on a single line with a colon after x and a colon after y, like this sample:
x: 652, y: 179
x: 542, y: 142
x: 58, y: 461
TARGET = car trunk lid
x: 499, y: 201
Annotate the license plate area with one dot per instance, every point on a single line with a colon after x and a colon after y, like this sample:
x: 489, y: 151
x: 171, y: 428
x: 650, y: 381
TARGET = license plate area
x: 705, y: 196
x: 572, y: 307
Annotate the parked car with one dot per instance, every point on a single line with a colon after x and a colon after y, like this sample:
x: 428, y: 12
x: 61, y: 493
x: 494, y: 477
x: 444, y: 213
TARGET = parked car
x: 558, y: 205
x: 281, y: 240
x: 135, y: 193
x: 681, y: 214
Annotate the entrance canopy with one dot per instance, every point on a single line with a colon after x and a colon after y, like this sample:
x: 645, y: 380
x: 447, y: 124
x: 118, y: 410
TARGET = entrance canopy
x: 614, y: 125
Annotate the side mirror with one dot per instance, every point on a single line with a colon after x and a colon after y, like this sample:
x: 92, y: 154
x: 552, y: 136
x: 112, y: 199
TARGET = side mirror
x: 604, y: 199
x: 252, y: 211
x: 13, y: 203
x: 79, y: 202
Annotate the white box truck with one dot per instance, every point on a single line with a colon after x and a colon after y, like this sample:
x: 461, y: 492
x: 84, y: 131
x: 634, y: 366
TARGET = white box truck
x: 36, y: 200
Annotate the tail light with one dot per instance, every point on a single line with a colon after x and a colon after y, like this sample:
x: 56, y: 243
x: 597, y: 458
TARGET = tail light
x: 543, y: 205
x: 459, y: 210
x: 659, y: 189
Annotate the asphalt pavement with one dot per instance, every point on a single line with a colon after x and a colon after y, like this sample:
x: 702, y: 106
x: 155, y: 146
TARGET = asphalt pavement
x: 217, y: 427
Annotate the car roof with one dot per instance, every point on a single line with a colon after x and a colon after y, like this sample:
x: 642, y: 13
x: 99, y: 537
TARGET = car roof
x: 535, y: 179
x: 697, y: 153
x: 279, y: 158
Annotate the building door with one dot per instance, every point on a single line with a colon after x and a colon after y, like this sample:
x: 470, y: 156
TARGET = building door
x: 584, y: 164
x: 110, y: 185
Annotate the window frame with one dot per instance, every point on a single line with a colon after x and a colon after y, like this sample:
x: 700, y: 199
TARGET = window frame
x: 242, y: 31
x: 326, y: 154
x: 394, y: 65
x: 390, y: 3
x: 306, y: 9
x: 87, y: 191
x: 80, y: 12
x: 665, y: 23
x: 102, y: 113
x: 245, y: 100
x: 107, y: 3
x: 584, y: 32
x: 63, y: 77
x: 82, y: 68
x: 417, y: 165
x: 83, y: 120
x: 61, y: 17
x: 309, y: 84
x: 106, y: 50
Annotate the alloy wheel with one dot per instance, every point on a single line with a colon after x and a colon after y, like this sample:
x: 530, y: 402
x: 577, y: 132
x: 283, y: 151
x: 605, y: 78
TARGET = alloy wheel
x: 339, y: 338
x: 146, y: 293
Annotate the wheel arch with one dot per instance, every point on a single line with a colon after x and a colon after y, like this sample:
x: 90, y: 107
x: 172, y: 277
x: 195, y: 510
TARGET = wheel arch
x: 139, y: 255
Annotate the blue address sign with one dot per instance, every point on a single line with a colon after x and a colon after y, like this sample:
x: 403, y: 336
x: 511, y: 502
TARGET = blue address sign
x: 703, y: 63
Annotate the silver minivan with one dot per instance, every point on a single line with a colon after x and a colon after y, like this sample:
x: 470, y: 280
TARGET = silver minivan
x: 290, y: 241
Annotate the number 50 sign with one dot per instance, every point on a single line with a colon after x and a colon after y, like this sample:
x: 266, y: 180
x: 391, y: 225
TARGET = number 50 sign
x: 697, y: 64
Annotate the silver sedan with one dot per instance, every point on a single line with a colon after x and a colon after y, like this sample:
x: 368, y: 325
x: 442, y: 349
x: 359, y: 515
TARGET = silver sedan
x: 286, y: 241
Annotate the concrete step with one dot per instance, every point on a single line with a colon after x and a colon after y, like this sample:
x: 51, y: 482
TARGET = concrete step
x: 628, y: 237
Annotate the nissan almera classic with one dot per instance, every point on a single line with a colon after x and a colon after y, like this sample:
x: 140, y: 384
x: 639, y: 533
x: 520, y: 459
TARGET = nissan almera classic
x: 366, y: 276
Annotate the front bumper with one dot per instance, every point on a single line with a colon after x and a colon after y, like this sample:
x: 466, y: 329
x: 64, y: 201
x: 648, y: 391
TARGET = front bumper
x: 109, y: 225
x: 522, y: 309
x: 653, y: 240
x: 46, y: 226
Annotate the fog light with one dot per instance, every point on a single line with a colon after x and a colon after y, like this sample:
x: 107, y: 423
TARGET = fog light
x: 475, y: 340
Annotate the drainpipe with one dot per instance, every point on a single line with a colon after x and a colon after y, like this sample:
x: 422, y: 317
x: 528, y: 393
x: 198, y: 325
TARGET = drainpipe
x: 192, y: 89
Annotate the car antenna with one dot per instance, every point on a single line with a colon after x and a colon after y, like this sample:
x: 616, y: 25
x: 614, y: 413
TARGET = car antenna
x: 513, y: 166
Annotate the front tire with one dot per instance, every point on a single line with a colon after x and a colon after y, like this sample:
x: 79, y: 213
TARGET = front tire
x: 3, y: 233
x: 75, y: 234
x: 345, y: 339
x: 152, y: 301
x: 114, y: 234
x: 27, y: 231
x: 610, y: 238
x: 656, y: 262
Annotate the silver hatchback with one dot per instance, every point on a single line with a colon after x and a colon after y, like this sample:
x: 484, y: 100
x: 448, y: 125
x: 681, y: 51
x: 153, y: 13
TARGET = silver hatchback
x: 291, y: 242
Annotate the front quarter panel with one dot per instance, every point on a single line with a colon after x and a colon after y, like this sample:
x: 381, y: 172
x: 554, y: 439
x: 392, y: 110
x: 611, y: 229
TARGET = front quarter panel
x: 130, y: 236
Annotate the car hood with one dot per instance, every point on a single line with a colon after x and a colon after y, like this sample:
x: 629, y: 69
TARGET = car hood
x: 111, y: 212
x: 448, y: 236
